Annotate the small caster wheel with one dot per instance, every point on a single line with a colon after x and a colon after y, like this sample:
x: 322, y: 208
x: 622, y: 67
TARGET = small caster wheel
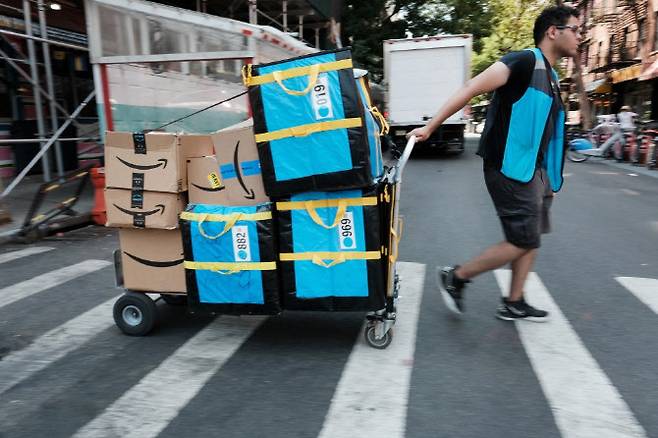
x: 135, y: 313
x: 174, y: 300
x: 380, y: 344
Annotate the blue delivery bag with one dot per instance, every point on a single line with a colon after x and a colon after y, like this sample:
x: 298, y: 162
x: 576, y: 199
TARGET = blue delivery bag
x: 309, y: 124
x: 230, y: 259
x: 331, y: 251
x: 375, y: 123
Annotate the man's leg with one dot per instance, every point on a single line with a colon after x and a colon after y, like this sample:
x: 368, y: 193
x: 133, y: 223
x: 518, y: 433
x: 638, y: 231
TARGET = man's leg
x: 520, y: 269
x: 491, y: 258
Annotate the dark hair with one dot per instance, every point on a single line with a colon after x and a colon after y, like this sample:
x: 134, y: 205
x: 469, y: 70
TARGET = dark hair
x: 552, y: 16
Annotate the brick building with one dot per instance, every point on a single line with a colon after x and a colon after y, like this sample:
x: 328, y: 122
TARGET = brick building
x: 619, y: 55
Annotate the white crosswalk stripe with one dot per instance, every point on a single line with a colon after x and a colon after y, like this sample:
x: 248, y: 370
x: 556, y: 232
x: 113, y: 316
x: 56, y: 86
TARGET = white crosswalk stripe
x: 15, y: 255
x: 147, y: 408
x: 645, y: 289
x: 372, y: 394
x: 48, y: 280
x: 54, y: 345
x: 583, y: 400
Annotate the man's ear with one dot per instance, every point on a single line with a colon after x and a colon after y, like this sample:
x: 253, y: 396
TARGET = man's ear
x: 551, y: 32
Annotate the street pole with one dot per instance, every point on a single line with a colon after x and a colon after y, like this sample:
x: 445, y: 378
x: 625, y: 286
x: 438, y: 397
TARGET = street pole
x: 50, y: 86
x: 45, y: 163
x: 285, y: 15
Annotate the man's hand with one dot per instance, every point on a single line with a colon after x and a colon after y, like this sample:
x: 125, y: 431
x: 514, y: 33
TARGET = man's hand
x: 421, y: 134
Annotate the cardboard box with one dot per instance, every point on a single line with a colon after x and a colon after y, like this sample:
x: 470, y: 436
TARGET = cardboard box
x: 128, y: 209
x: 152, y: 260
x: 149, y: 162
x: 196, y: 145
x: 238, y: 165
x: 205, y: 185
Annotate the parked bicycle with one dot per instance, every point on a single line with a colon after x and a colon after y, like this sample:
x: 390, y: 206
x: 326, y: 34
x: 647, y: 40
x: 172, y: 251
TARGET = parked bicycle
x: 603, y: 139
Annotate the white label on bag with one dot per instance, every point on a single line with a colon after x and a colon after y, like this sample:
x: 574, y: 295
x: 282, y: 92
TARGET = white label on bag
x: 346, y: 232
x: 241, y: 249
x: 321, y: 99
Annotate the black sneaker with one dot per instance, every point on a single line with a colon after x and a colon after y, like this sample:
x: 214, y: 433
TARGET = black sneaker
x: 451, y: 289
x: 520, y: 310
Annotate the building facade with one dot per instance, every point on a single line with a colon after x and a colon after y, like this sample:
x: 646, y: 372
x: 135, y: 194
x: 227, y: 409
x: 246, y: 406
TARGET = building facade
x: 619, y: 55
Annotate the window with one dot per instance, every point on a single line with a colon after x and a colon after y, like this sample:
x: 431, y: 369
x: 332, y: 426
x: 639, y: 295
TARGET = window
x: 611, y: 48
x: 641, y: 33
x: 655, y: 31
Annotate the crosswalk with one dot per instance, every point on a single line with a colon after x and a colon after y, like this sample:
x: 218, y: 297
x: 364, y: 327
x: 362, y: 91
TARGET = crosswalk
x: 370, y: 396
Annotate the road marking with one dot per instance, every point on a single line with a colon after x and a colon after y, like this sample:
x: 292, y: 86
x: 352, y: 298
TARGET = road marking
x: 598, y: 172
x: 372, y: 395
x: 9, y: 256
x: 630, y: 192
x: 644, y: 289
x: 583, y: 400
x: 54, y: 345
x: 148, y: 407
x: 48, y: 280
x: 632, y: 174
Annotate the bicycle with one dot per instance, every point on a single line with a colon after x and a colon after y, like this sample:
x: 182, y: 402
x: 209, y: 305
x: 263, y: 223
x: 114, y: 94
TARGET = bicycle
x: 586, y: 144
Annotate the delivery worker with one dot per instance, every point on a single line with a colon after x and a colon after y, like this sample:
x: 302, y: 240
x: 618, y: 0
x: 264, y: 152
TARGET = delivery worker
x: 522, y: 147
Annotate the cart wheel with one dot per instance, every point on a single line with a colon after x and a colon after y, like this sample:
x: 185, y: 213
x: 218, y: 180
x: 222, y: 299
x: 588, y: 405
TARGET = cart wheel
x: 174, y: 300
x: 380, y: 344
x: 135, y: 313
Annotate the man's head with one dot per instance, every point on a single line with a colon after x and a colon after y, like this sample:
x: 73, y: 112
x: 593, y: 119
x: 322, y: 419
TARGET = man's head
x: 558, y: 26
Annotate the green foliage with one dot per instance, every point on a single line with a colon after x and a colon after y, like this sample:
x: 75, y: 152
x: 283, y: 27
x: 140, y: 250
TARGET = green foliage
x: 512, y: 30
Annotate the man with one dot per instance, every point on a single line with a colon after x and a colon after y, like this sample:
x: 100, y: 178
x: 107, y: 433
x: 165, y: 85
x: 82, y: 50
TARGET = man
x: 626, y: 119
x: 522, y: 146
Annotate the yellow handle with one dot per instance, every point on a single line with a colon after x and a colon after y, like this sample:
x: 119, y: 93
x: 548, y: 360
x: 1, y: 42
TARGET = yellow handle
x: 395, y: 242
x: 312, y: 80
x: 342, y: 208
x: 229, y: 224
x: 385, y: 127
x: 231, y: 272
x: 318, y: 261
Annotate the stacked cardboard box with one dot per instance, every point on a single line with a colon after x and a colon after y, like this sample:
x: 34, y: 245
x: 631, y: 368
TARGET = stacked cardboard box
x: 146, y: 183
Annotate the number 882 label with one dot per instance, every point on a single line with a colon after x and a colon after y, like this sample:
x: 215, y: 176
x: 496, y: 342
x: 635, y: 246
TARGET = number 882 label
x: 241, y: 248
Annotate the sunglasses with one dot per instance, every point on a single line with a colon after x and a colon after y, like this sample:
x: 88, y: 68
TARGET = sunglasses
x: 573, y: 28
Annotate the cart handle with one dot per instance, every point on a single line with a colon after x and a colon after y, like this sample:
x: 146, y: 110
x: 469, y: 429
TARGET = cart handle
x: 405, y: 157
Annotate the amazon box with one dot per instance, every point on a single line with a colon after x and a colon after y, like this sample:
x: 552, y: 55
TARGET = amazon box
x: 129, y: 209
x: 144, y: 162
x: 238, y: 165
x: 152, y: 260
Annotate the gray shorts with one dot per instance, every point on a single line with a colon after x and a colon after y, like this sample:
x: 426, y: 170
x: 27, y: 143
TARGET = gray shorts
x: 523, y: 208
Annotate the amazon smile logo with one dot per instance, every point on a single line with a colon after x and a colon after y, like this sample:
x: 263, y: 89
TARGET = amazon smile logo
x: 158, y: 208
x: 209, y: 189
x: 249, y: 193
x: 162, y: 162
x: 153, y: 263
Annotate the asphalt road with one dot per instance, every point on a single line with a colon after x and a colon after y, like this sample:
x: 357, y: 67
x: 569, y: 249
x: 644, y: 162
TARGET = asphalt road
x: 66, y: 370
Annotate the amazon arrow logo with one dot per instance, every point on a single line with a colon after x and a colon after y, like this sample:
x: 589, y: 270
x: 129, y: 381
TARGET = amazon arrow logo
x: 238, y: 171
x: 154, y: 263
x: 162, y: 162
x: 158, y: 208
x: 208, y: 189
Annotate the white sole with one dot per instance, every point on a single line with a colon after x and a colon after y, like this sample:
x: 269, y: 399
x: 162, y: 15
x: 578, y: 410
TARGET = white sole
x: 447, y: 299
x: 529, y: 318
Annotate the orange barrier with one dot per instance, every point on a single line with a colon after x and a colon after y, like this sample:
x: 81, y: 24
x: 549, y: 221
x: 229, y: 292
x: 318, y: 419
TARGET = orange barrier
x: 99, y: 212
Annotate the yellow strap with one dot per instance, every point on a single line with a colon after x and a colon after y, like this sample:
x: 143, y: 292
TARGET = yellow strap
x: 338, y: 255
x: 208, y: 217
x: 326, y: 203
x: 362, y: 81
x: 230, y: 221
x: 385, y: 126
x: 230, y: 267
x: 311, y: 128
x: 250, y: 80
x: 312, y: 80
x: 340, y: 212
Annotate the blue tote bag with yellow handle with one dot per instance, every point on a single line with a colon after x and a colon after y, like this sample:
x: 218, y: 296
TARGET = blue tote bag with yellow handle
x: 309, y: 124
x: 230, y: 259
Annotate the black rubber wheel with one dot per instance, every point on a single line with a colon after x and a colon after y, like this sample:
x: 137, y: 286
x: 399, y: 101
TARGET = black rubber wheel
x: 174, y: 300
x: 576, y: 156
x: 380, y: 344
x: 135, y: 313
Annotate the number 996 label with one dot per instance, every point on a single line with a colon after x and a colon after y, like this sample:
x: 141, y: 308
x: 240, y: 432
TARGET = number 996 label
x: 346, y: 232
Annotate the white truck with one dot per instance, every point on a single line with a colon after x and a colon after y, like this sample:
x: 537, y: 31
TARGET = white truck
x: 420, y: 74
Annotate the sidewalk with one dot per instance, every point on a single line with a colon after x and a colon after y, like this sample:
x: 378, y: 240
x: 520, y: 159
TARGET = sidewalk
x: 19, y: 200
x: 639, y: 170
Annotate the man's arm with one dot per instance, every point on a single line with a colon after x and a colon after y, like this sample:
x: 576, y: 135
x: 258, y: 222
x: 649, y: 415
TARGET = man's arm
x: 492, y: 78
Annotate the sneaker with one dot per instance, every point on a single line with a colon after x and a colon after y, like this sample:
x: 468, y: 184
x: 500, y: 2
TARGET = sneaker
x: 520, y: 310
x: 451, y: 289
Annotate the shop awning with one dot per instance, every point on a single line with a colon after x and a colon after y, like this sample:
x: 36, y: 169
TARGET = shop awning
x: 650, y: 73
x: 598, y: 86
